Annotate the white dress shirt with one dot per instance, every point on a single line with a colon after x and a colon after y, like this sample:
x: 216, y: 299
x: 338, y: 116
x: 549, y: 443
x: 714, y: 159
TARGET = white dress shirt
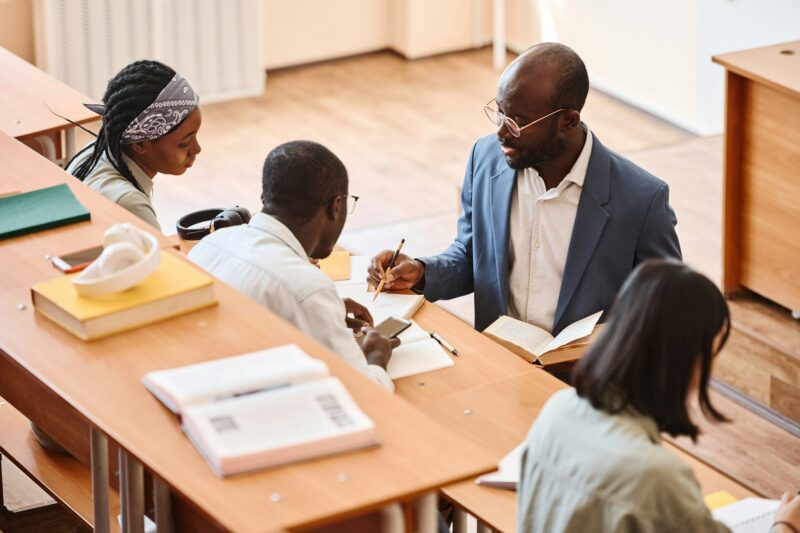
x: 265, y: 261
x: 540, y: 229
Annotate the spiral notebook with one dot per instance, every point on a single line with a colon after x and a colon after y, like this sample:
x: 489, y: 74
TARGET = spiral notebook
x: 750, y: 515
x: 388, y: 304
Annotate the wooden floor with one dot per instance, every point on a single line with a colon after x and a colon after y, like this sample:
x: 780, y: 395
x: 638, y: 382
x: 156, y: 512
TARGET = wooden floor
x: 404, y: 130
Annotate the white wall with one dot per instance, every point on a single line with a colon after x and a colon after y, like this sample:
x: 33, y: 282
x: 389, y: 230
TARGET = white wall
x: 730, y: 25
x: 657, y: 55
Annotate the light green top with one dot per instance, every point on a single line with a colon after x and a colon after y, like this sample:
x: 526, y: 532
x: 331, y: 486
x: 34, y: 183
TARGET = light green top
x: 108, y: 181
x: 587, y: 470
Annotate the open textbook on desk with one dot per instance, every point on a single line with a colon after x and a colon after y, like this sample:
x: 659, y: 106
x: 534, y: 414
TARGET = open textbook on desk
x: 262, y: 409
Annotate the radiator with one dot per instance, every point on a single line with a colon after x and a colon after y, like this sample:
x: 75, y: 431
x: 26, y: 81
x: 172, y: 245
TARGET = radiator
x: 215, y: 44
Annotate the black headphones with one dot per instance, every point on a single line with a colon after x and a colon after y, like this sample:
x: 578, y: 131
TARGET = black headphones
x: 216, y: 218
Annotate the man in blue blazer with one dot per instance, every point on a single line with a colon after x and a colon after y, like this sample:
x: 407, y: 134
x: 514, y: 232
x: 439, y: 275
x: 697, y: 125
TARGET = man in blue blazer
x: 553, y: 221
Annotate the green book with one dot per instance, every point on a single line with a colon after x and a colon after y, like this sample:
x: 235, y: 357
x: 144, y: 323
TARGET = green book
x: 39, y: 210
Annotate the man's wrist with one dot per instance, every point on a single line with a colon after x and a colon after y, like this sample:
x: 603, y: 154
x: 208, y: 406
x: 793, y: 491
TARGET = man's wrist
x: 419, y: 286
x: 783, y: 527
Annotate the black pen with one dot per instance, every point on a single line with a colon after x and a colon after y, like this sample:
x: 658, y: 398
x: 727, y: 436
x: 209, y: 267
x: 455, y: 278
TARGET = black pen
x: 446, y: 345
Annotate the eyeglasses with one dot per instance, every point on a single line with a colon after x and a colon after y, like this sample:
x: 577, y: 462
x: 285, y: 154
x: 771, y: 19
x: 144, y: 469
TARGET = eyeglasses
x: 498, y: 118
x: 351, y: 203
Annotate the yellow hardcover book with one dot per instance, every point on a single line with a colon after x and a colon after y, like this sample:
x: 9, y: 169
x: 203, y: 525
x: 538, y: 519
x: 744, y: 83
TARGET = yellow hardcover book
x: 177, y: 287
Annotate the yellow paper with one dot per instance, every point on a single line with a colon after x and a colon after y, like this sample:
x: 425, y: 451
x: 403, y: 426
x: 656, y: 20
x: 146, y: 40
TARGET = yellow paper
x: 718, y: 499
x: 337, y: 265
x: 174, y: 276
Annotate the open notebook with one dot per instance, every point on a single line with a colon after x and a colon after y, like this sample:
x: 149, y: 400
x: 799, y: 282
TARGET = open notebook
x: 388, y: 304
x: 417, y: 353
x: 750, y: 515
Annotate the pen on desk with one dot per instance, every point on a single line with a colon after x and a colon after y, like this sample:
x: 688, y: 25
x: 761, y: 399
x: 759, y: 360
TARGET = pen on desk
x: 388, y: 269
x: 446, y: 345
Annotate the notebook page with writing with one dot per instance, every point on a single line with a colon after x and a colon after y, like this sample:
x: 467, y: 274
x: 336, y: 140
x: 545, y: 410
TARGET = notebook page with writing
x: 750, y: 515
x: 417, y: 353
x: 387, y: 304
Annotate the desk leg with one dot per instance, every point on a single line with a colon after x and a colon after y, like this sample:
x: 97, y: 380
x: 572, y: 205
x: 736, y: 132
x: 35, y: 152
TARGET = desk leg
x: 459, y: 520
x: 392, y: 520
x: 131, y: 483
x: 48, y: 147
x: 427, y: 514
x: 164, y: 522
x: 69, y: 145
x: 99, y: 461
x: 483, y: 528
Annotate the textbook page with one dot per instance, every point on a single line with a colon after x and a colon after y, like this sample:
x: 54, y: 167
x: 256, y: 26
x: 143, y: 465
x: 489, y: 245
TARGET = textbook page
x: 417, y: 353
x: 576, y: 330
x: 279, y: 426
x: 182, y: 387
x: 750, y: 515
x: 508, y: 470
x: 529, y: 337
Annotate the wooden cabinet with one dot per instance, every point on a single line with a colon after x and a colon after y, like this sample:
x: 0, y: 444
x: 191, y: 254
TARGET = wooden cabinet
x: 762, y: 173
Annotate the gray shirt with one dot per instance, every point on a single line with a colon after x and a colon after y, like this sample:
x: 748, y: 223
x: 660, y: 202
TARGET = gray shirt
x: 587, y: 470
x: 107, y: 180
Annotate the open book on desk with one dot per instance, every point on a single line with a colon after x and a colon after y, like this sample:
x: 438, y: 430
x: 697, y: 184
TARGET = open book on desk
x: 536, y: 345
x: 262, y: 409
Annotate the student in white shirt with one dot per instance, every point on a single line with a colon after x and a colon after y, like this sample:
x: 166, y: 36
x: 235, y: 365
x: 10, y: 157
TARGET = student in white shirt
x: 150, y: 123
x: 594, y: 459
x: 306, y: 202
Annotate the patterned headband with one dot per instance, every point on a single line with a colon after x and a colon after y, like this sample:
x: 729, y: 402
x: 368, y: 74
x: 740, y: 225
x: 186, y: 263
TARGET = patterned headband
x: 171, y: 106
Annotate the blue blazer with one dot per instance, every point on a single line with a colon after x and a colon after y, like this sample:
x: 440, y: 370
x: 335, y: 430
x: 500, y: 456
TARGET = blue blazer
x: 623, y: 218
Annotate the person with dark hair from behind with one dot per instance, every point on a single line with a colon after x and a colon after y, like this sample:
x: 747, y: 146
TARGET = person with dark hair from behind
x: 306, y: 202
x: 150, y: 123
x: 594, y: 459
x: 552, y: 221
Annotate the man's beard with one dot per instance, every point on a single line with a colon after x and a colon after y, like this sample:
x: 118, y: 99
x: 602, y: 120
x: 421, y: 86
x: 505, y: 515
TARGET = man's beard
x: 550, y: 148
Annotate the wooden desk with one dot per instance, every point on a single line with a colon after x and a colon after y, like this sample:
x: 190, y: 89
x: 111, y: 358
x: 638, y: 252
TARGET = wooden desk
x: 762, y: 171
x: 491, y: 397
x: 100, y: 381
x: 31, y: 171
x: 23, y: 113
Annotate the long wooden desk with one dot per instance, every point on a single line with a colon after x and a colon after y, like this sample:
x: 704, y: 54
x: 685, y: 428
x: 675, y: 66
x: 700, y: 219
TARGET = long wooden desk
x: 100, y: 381
x: 491, y: 397
x: 23, y: 113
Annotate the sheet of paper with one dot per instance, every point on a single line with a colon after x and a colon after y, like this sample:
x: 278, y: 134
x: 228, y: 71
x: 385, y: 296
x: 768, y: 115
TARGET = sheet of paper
x: 387, y: 304
x: 718, y: 499
x: 750, y: 515
x: 577, y: 330
x: 417, y: 357
x: 337, y: 265
x: 508, y: 470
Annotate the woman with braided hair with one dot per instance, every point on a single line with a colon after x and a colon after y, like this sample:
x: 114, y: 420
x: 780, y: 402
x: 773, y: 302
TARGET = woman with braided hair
x: 150, y: 123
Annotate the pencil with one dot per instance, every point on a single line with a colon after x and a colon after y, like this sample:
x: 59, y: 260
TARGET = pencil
x: 388, y: 269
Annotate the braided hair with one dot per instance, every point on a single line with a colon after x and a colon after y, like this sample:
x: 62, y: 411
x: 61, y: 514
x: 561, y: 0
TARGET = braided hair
x: 128, y: 93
